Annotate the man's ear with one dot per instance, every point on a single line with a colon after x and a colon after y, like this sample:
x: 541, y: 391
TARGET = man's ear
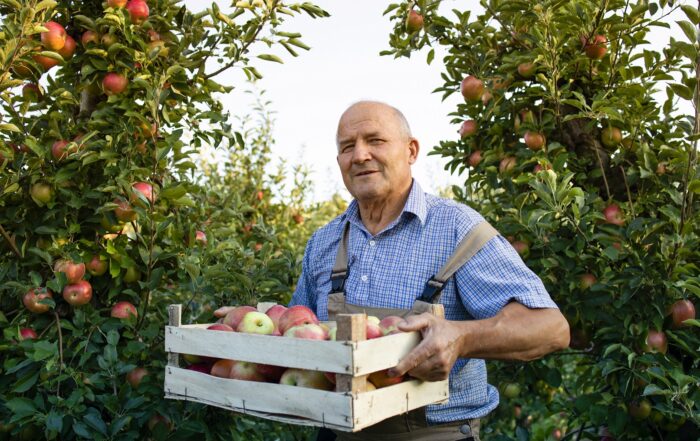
x: 414, y: 148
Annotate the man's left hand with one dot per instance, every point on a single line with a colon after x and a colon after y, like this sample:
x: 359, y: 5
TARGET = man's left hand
x: 435, y: 355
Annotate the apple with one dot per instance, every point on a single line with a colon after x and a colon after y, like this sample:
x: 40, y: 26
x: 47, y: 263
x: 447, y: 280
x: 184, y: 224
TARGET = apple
x: 414, y: 21
x: 27, y: 334
x: 475, y: 158
x: 655, y: 342
x: 681, y: 311
x: 330, y: 376
x: 123, y: 310
x: 220, y: 327
x: 124, y: 212
x: 511, y: 390
x: 526, y: 70
x: 275, y: 312
x: 298, y: 218
x: 507, y: 164
x: 32, y: 298
x: 468, y: 128
x: 661, y: 168
x: 74, y: 271
x: 255, y: 322
x: 587, y: 280
x: 374, y: 330
x: 486, y: 97
x: 204, y: 368
x: 68, y: 49
x: 639, y: 410
x: 373, y: 319
x: 472, y: 88
x: 613, y: 215
x: 595, y: 47
x: 45, y: 62
x: 333, y: 333
x: 31, y: 92
x: 305, y: 378
x: 158, y: 47
x: 538, y: 168
x: 142, y: 189
x: 246, y: 371
x: 78, y: 294
x: 326, y: 330
x: 389, y: 325
x: 135, y: 376
x: 192, y: 359
x: 222, y: 368
x: 114, y: 83
x: 158, y: 420
x: 557, y: 434
x: 55, y: 38
x: 90, y: 37
x: 108, y: 40
x: 96, y: 266
x: 138, y: 11
x: 234, y: 317
x: 382, y: 379
x: 521, y: 246
x: 296, y: 315
x: 59, y: 151
x: 201, y: 237
x: 116, y: 3
x: 271, y: 373
x: 611, y: 136
x: 308, y: 331
x: 534, y: 140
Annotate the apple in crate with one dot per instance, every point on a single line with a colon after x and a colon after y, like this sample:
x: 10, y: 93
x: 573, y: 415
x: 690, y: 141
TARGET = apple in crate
x: 271, y: 373
x: 389, y: 324
x: 256, y: 322
x: 381, y: 379
x: 306, y: 378
x: 234, y: 317
x: 374, y: 330
x: 246, y: 371
x: 296, y: 315
x: 220, y: 327
x: 222, y: 368
x: 204, y: 368
x: 309, y: 331
x: 275, y: 312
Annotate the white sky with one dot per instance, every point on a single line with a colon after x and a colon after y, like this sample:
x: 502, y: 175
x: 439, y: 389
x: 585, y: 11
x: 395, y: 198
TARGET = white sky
x: 308, y: 93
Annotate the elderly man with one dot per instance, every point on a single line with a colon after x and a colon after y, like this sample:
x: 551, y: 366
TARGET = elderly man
x: 395, y: 238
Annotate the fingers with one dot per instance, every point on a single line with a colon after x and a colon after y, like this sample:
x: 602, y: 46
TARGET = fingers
x: 414, y: 358
x: 221, y: 312
x: 415, y: 322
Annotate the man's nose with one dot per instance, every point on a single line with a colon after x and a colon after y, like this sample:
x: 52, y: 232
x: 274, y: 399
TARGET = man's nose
x: 361, y: 152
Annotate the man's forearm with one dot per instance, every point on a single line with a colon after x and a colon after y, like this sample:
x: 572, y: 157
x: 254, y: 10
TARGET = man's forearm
x: 516, y: 333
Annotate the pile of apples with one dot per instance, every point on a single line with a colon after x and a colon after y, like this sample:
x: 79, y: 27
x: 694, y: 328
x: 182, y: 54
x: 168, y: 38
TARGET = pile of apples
x: 296, y: 322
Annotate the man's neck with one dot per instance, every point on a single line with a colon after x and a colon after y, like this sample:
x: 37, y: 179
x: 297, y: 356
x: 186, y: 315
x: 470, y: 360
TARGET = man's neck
x: 377, y: 214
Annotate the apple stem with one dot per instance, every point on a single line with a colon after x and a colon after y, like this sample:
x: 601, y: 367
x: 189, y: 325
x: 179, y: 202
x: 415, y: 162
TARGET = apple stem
x: 10, y: 240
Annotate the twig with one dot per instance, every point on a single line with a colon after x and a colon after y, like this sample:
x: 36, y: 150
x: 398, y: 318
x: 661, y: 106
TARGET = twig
x: 602, y: 171
x: 60, y: 352
x: 11, y: 241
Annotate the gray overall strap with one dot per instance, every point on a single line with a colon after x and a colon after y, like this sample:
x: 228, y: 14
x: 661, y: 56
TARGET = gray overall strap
x: 340, y: 268
x: 467, y: 248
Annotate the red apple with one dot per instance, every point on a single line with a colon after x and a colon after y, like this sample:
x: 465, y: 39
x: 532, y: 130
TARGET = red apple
x: 414, y: 21
x: 124, y: 212
x: 472, y: 88
x: 656, y: 342
x: 116, y: 3
x: 201, y: 237
x: 31, y: 92
x: 32, y: 298
x: 45, y: 62
x: 114, y: 83
x: 306, y: 378
x: 534, y: 140
x: 90, y: 38
x: 507, y: 164
x: 78, y: 294
x: 271, y: 373
x: 587, y: 280
x: 59, y: 151
x: 526, y: 70
x: 142, y: 189
x: 74, y: 271
x: 27, y: 334
x: 123, y: 310
x: 108, y: 40
x: 204, y: 368
x: 222, y: 368
x: 158, y: 420
x: 613, y: 215
x: 296, y: 315
x: 255, y: 322
x: 374, y: 330
x: 275, y: 312
x: 595, y: 47
x: 468, y: 128
x: 220, y: 327
x: 389, y: 324
x: 611, y: 137
x: 246, y: 371
x: 538, y: 168
x: 381, y: 379
x: 475, y: 158
x: 68, y: 49
x: 521, y: 247
x: 681, y: 311
x: 138, y: 11
x: 135, y: 376
x: 55, y: 38
x: 234, y: 317
x: 96, y: 266
x: 330, y: 376
x: 308, y: 331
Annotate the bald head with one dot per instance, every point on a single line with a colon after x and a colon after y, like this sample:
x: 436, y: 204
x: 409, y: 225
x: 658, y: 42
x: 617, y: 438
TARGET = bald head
x: 395, y: 115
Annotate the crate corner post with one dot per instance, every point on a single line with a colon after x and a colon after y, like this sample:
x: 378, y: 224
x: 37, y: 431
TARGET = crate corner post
x: 174, y: 319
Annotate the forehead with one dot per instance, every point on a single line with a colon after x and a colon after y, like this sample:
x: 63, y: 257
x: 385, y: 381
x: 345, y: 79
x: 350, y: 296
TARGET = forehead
x: 367, y: 118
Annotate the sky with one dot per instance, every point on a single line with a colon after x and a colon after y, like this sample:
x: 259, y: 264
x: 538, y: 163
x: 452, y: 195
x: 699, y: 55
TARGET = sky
x: 309, y: 93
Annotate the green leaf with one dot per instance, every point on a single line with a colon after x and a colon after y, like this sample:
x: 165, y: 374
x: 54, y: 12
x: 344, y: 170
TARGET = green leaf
x: 9, y: 127
x: 692, y: 13
x: 26, y: 382
x: 688, y: 29
x: 21, y: 407
x: 54, y: 421
x: 45, y: 4
x: 94, y: 420
x: 270, y: 57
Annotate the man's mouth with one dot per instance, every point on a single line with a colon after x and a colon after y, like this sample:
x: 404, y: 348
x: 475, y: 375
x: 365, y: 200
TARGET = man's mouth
x: 366, y: 172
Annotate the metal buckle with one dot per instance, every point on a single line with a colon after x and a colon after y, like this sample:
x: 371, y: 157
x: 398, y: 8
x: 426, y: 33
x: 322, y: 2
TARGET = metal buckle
x: 432, y: 289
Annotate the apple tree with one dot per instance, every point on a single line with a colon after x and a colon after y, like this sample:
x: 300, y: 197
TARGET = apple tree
x: 105, y: 216
x: 578, y: 140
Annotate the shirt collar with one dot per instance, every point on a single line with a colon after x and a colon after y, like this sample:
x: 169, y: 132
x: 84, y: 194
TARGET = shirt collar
x: 415, y: 204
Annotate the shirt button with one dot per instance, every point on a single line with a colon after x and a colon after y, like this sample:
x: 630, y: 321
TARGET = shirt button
x: 364, y: 278
x: 372, y: 243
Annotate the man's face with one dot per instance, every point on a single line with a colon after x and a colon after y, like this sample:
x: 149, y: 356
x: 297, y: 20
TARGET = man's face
x: 375, y: 152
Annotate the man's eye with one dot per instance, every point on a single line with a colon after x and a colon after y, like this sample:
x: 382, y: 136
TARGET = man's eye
x: 376, y: 140
x: 347, y: 148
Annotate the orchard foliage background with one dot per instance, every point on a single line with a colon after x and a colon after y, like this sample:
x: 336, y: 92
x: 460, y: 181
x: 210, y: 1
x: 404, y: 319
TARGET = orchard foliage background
x: 593, y: 176
x: 72, y: 144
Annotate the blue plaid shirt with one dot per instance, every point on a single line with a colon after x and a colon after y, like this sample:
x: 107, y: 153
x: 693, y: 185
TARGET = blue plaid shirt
x: 390, y: 269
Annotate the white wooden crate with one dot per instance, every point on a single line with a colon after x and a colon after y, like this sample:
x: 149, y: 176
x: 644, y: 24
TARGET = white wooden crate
x: 349, y: 408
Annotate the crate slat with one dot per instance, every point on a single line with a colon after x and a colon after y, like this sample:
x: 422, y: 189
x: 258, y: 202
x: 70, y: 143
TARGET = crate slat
x: 384, y: 352
x: 267, y: 399
x: 319, y: 355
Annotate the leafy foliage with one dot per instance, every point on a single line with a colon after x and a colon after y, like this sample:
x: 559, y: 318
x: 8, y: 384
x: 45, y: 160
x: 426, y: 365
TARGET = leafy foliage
x: 609, y: 108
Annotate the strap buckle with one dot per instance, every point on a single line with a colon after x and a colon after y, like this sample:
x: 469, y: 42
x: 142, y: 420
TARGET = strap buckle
x: 338, y: 281
x: 432, y: 290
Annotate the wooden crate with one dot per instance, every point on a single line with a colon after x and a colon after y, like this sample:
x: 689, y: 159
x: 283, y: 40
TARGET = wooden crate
x: 352, y: 358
